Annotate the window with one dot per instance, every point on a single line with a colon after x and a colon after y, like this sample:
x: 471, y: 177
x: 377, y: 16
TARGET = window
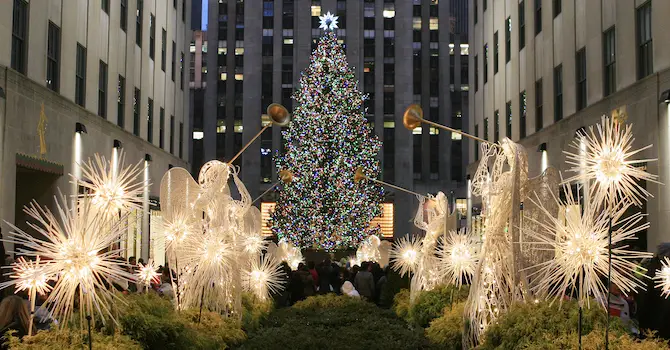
x: 508, y: 39
x: 644, y: 44
x: 496, y: 126
x: 181, y: 139
x: 538, y: 16
x: 476, y: 144
x: 181, y: 71
x: 558, y: 93
x: 522, y: 26
x: 476, y: 73
x: 508, y: 115
x: 138, y: 20
x: 174, y: 60
x: 123, y: 21
x: 287, y: 15
x: 174, y: 4
x: 486, y: 128
x: 538, y: 106
x: 20, y: 36
x: 609, y: 52
x: 121, y: 102
x: 486, y: 63
x: 152, y: 36
x: 171, y: 134
x: 484, y: 5
x: 476, y: 10
x: 496, y: 50
x: 102, y: 90
x: 53, y: 57
x: 150, y: 121
x: 183, y: 11
x: 104, y: 5
x: 580, y: 69
x: 163, y: 50
x: 80, y: 76
x: 136, y: 112
x: 522, y: 114
x: 161, y: 128
x: 557, y: 7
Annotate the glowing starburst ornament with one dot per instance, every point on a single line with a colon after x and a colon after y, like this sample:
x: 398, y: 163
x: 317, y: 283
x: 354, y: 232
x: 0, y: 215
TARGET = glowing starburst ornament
x: 328, y: 21
x: 458, y: 257
x: 264, y: 277
x: 608, y: 161
x: 662, y: 277
x: 405, y: 254
x: 147, y: 274
x: 113, y: 186
x: 30, y: 275
x: 580, y: 243
x: 177, y: 229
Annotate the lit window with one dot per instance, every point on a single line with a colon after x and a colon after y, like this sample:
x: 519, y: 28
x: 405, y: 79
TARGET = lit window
x: 416, y: 23
x: 389, y: 125
x: 465, y: 49
x: 288, y: 41
x: 192, y: 48
x: 224, y: 76
x: 198, y: 135
x: 433, y: 25
x: 239, y: 51
x: 223, y: 50
x: 316, y: 10
x: 456, y: 136
x: 238, y: 129
x: 204, y: 46
x: 220, y: 126
x: 389, y: 11
x: 239, y: 76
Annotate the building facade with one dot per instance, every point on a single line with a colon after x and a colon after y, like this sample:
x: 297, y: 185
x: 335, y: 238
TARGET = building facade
x: 543, y: 69
x: 251, y: 53
x: 86, y: 77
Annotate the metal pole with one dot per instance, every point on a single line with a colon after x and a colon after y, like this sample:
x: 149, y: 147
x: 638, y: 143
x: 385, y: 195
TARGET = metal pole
x: 395, y: 187
x: 248, y: 144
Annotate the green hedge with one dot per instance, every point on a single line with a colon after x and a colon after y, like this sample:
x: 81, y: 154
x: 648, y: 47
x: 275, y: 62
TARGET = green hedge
x: 334, y: 322
x: 594, y: 341
x: 254, y: 311
x: 447, y: 331
x: 70, y: 339
x: 428, y: 305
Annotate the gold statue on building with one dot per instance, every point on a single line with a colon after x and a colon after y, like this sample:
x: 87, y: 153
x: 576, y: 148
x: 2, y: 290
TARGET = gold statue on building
x: 42, y: 132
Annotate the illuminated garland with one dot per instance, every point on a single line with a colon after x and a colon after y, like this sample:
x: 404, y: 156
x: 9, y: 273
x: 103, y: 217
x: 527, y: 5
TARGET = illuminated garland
x: 328, y: 138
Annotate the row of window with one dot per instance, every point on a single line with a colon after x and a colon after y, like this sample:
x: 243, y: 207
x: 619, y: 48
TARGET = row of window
x: 123, y: 20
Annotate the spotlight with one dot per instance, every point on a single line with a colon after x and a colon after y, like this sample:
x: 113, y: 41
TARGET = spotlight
x: 665, y: 96
x: 147, y: 157
x: 118, y: 144
x: 80, y: 128
x: 542, y: 147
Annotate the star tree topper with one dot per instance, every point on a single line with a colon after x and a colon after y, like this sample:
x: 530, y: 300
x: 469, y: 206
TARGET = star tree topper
x: 328, y: 21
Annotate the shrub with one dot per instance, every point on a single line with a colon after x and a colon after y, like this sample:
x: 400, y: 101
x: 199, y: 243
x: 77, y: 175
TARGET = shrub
x: 401, y: 304
x: 254, y: 311
x: 213, y: 331
x: 594, y: 341
x: 394, y: 284
x: 526, y: 323
x: 447, y: 330
x: 70, y: 339
x: 333, y: 322
x: 430, y: 305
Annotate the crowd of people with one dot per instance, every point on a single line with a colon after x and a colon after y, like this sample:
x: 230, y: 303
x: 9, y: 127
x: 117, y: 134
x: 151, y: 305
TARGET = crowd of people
x: 365, y: 281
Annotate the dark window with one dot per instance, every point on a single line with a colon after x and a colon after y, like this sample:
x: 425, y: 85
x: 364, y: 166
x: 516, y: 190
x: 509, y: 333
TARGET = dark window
x: 20, y: 36
x: 476, y: 135
x: 183, y: 11
x: 138, y: 20
x: 102, y: 90
x: 150, y: 121
x: 486, y: 63
x: 508, y: 39
x: 645, y: 59
x: 287, y: 15
x: 609, y: 52
x: 121, y: 102
x: 476, y: 73
x: 476, y: 10
x: 389, y: 102
x: 181, y: 139
x: 181, y: 71
x: 522, y: 25
x: 80, y: 76
x: 522, y: 114
x: 172, y: 134
x: 53, y: 57
x: 287, y: 73
x: 539, y: 121
x: 538, y: 16
x: 484, y: 5
x: 580, y: 68
x: 104, y: 5
x: 496, y: 51
x: 486, y: 128
x: 136, y: 112
x: 123, y: 21
x: 389, y: 47
x: 287, y: 47
x: 558, y: 92
x: 496, y: 126
x: 508, y: 115
x: 152, y: 36
x: 163, y: 50
x: 174, y: 60
x: 557, y: 7
x: 161, y: 128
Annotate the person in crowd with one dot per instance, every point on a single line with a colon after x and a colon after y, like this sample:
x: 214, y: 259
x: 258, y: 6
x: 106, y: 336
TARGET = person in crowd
x: 132, y: 264
x: 325, y: 275
x: 296, y: 287
x: 365, y: 282
x: 335, y: 278
x: 379, y: 285
x: 354, y: 272
x: 283, y: 298
x: 141, y: 261
x: 307, y: 282
x: 349, y: 290
x: 165, y: 290
x: 654, y: 308
x: 14, y: 315
x: 43, y: 317
x: 315, y: 274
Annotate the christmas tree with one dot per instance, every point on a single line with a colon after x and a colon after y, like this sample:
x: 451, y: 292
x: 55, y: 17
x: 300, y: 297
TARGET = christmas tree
x: 327, y: 140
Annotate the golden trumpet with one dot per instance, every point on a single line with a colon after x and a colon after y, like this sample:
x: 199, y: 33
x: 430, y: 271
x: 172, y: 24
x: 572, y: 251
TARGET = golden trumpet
x: 413, y: 118
x: 278, y: 114
x: 286, y: 176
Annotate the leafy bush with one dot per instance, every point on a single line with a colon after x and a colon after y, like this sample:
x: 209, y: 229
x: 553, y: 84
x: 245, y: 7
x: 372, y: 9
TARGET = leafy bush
x: 401, y: 304
x: 334, y: 322
x: 594, y: 341
x: 213, y: 331
x: 430, y: 305
x: 254, y: 311
x: 524, y: 324
x: 70, y: 339
x: 447, y: 330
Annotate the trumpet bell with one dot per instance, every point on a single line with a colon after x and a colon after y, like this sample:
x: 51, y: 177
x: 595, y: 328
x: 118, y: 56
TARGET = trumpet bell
x: 413, y: 117
x: 279, y: 114
x: 286, y: 176
x: 359, y: 175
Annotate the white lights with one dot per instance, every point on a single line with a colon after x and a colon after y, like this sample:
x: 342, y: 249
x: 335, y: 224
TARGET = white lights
x: 147, y: 274
x: 662, y: 277
x: 263, y: 277
x: 113, y: 187
x: 198, y: 135
x: 328, y: 21
x: 544, y: 162
x: 458, y: 257
x: 405, y: 254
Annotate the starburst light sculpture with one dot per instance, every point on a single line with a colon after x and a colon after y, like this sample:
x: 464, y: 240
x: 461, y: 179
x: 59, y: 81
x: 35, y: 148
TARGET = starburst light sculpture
x: 662, y: 277
x: 264, y: 277
x: 147, y: 274
x: 405, y: 254
x: 29, y: 275
x: 458, y: 257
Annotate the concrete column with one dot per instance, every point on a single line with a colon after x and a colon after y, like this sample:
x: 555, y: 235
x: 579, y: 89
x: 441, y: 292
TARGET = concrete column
x: 405, y: 204
x: 210, y: 110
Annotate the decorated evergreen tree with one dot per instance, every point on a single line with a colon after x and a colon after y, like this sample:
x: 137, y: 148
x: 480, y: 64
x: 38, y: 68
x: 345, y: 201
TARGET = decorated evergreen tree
x: 327, y: 140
